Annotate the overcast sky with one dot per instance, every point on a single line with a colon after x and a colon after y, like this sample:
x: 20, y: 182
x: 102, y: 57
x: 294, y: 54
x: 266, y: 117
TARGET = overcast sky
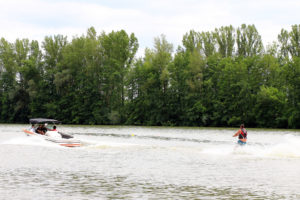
x: 35, y: 19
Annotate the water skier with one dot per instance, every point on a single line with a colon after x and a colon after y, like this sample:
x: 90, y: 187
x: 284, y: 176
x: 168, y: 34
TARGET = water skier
x: 242, y: 133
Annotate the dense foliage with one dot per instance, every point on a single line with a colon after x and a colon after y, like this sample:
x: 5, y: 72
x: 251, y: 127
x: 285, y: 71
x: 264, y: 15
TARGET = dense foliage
x: 219, y: 78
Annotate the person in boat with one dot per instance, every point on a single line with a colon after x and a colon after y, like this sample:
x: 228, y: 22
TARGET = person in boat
x: 242, y: 133
x: 41, y: 129
x: 32, y: 128
x: 53, y: 129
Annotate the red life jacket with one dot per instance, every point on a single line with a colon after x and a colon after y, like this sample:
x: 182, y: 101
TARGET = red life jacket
x: 243, y: 133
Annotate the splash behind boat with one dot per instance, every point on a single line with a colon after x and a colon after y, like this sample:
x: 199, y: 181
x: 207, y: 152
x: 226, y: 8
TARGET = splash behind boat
x: 52, y: 135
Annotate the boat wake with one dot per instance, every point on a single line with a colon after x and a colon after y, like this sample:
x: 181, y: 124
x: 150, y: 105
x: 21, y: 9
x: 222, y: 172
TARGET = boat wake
x: 104, y: 144
x: 289, y: 147
x: 286, y: 146
x: 30, y: 141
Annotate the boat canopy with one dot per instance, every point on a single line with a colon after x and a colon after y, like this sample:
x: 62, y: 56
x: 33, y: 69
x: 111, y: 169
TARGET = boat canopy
x: 44, y: 120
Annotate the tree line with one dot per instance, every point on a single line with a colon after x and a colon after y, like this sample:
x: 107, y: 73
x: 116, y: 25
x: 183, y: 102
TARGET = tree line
x: 216, y: 78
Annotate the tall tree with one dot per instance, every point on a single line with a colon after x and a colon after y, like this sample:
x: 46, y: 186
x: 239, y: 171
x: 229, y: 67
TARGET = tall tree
x: 225, y: 38
x: 119, y: 50
x: 208, y: 43
x: 283, y: 39
x: 8, y: 72
x: 291, y: 72
x: 179, y: 86
x: 192, y: 41
x: 295, y: 41
x: 20, y: 95
x: 249, y: 41
x: 153, y: 96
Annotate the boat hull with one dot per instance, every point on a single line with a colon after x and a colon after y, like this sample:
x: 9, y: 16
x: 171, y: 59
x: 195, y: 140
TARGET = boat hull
x: 60, y: 141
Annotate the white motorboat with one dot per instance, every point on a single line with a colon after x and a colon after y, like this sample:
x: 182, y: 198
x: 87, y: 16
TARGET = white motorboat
x: 51, y: 135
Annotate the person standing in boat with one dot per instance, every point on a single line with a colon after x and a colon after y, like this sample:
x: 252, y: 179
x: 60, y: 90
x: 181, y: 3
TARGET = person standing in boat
x: 242, y: 133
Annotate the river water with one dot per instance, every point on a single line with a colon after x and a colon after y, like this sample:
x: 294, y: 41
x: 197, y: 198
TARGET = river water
x: 150, y: 163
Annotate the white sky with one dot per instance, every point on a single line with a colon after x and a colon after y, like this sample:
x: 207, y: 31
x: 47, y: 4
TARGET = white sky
x: 35, y: 19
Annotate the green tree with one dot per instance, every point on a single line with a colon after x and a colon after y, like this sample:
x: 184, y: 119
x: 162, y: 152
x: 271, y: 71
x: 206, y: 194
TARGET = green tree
x: 283, y: 39
x: 194, y: 80
x: 8, y: 72
x: 225, y: 38
x: 249, y: 41
x: 295, y: 41
x: 119, y: 50
x: 269, y: 108
x: 208, y: 43
x: 192, y: 41
x: 152, y: 99
x: 179, y: 87
x: 47, y: 98
x: 291, y: 73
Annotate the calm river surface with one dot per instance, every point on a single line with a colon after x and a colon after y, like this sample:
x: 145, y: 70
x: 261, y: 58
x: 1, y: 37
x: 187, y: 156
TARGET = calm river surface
x: 150, y: 163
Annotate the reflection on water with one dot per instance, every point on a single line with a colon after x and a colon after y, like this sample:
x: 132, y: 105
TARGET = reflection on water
x: 147, y: 163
